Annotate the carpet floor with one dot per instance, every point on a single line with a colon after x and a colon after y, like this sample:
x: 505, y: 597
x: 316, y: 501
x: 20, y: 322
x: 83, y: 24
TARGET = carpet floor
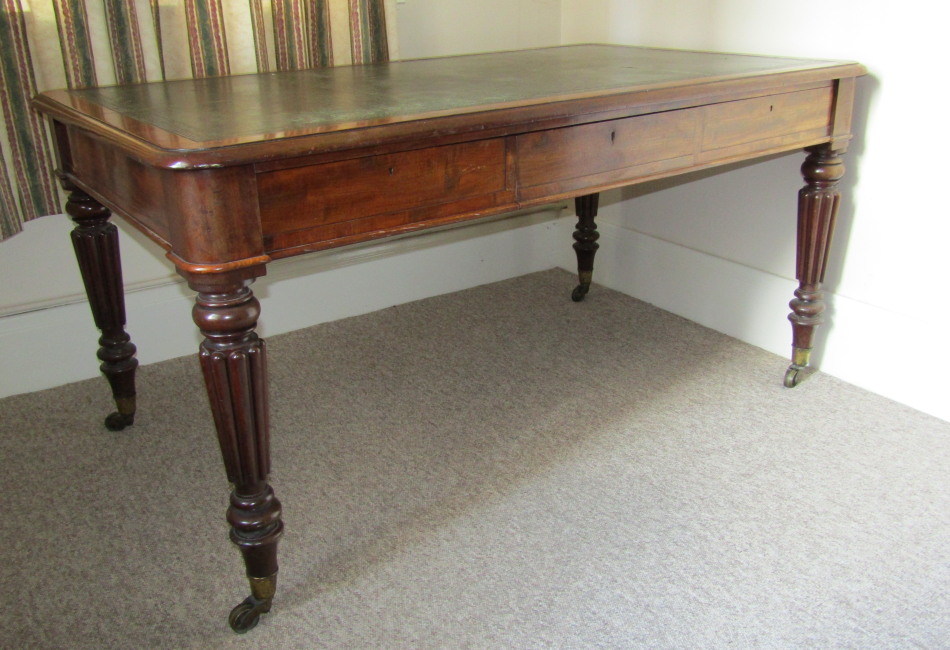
x: 495, y: 468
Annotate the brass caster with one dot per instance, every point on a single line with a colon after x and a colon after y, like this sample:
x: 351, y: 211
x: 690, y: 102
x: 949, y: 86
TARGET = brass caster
x: 118, y: 421
x: 246, y: 616
x: 580, y: 291
x: 796, y: 374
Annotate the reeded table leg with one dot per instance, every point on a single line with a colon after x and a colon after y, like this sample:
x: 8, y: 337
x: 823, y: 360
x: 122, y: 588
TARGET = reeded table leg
x: 585, y: 243
x: 96, y: 242
x: 235, y: 371
x: 817, y: 210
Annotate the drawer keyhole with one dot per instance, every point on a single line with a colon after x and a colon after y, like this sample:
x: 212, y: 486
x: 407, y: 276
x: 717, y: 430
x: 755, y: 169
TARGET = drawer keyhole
x: 613, y: 136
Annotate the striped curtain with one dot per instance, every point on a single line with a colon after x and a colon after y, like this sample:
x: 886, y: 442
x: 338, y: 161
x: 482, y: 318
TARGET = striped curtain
x: 47, y: 44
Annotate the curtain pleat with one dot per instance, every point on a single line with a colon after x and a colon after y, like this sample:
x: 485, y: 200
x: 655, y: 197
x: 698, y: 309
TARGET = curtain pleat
x: 125, y: 39
x: 321, y: 41
x: 103, y: 42
x: 368, y: 32
x: 75, y: 42
x: 259, y: 33
x: 28, y: 189
x: 207, y: 40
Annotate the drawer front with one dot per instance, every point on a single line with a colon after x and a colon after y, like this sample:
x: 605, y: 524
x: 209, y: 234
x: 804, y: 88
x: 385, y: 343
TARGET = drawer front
x: 318, y: 195
x: 732, y: 124
x: 617, y: 152
x: 573, y: 157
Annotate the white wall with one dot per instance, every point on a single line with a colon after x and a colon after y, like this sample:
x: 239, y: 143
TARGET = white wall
x: 718, y: 249
x: 447, y: 27
x: 46, y: 333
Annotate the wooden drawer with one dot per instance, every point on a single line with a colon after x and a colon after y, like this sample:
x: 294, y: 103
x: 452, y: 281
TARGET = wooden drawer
x: 617, y: 152
x: 732, y: 124
x: 579, y: 156
x: 348, y: 190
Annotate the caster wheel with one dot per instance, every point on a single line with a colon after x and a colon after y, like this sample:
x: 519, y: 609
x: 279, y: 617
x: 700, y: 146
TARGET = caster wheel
x: 245, y: 616
x: 791, y: 377
x: 579, y: 292
x: 118, y: 421
x: 796, y: 375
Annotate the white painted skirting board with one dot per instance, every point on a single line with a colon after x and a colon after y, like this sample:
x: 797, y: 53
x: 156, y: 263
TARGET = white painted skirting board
x: 752, y: 305
x: 56, y: 344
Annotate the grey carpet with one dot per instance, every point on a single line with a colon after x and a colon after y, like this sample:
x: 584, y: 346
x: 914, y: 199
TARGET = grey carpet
x: 497, y: 468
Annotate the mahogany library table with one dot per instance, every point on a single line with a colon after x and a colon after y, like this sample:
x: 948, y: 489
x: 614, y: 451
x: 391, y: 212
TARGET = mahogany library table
x: 229, y: 173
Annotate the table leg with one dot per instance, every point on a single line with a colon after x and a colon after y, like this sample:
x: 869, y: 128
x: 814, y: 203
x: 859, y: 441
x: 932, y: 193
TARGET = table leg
x: 585, y: 243
x: 817, y: 210
x: 96, y: 242
x: 233, y: 362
